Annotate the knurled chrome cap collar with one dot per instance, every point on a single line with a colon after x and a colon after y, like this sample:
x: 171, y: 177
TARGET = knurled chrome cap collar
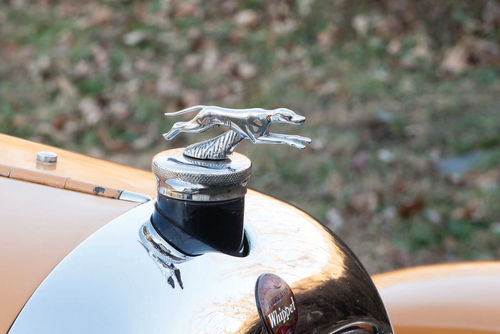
x: 186, y: 178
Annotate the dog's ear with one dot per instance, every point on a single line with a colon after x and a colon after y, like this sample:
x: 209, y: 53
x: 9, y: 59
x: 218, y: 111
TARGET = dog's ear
x: 274, y: 112
x: 285, y: 111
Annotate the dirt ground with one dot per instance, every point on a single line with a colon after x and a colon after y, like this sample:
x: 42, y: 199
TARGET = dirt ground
x: 401, y: 99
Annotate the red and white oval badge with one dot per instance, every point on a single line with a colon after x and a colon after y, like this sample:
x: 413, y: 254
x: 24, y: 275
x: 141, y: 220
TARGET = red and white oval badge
x: 276, y: 304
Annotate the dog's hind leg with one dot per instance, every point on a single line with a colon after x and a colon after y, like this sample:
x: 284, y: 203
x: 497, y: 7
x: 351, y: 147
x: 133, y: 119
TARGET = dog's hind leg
x: 180, y: 127
x: 191, y: 126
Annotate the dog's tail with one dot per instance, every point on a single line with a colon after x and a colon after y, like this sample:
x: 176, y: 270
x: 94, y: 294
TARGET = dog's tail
x: 185, y: 111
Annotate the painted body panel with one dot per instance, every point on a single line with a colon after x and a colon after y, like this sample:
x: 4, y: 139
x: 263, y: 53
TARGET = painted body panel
x: 73, y: 171
x: 442, y: 299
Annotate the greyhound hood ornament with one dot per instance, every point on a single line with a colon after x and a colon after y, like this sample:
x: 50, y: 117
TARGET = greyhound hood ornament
x: 201, y: 188
x: 252, y: 124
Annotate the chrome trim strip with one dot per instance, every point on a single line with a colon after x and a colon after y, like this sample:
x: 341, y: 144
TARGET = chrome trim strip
x: 131, y: 196
x: 56, y: 181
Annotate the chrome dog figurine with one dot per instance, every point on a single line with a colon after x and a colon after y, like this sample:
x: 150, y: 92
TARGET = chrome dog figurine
x: 252, y: 124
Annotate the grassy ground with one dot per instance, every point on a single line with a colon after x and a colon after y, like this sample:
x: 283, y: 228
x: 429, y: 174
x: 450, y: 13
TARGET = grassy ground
x: 402, y: 101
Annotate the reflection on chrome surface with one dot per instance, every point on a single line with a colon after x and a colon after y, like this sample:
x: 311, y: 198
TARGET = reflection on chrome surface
x: 164, y: 255
x: 131, y: 196
x: 109, y: 284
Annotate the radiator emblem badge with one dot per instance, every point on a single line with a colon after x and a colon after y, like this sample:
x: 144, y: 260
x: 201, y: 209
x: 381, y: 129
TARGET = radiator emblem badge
x: 276, y: 304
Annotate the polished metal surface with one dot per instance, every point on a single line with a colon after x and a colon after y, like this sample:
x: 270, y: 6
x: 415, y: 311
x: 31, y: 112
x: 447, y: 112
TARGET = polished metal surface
x: 46, y: 157
x: 112, y: 283
x: 131, y: 196
x: 252, y: 124
x: 163, y: 254
x: 185, y: 178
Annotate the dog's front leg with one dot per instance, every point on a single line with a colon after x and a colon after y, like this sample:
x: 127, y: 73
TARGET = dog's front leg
x: 273, y: 138
x: 292, y: 140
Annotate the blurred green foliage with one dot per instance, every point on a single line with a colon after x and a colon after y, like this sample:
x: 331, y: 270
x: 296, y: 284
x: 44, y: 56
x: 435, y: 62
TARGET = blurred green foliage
x: 393, y: 91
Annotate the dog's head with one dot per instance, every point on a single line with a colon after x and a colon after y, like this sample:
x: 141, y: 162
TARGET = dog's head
x: 284, y: 115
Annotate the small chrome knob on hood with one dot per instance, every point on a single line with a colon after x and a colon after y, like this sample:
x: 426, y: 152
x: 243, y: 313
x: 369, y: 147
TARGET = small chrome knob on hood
x: 201, y: 188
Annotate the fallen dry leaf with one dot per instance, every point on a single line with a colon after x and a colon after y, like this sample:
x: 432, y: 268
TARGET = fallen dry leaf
x: 101, y: 15
x: 411, y: 207
x: 361, y: 24
x: 365, y: 202
x: 246, y: 70
x: 246, y: 18
x: 471, y: 52
x: 134, y: 37
x: 455, y: 60
x: 90, y: 111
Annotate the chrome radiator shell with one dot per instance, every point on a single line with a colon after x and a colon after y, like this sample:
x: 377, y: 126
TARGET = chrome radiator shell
x: 111, y: 284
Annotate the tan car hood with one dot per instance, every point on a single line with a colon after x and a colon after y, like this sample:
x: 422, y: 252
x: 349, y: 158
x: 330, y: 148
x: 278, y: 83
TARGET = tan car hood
x: 42, y: 220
